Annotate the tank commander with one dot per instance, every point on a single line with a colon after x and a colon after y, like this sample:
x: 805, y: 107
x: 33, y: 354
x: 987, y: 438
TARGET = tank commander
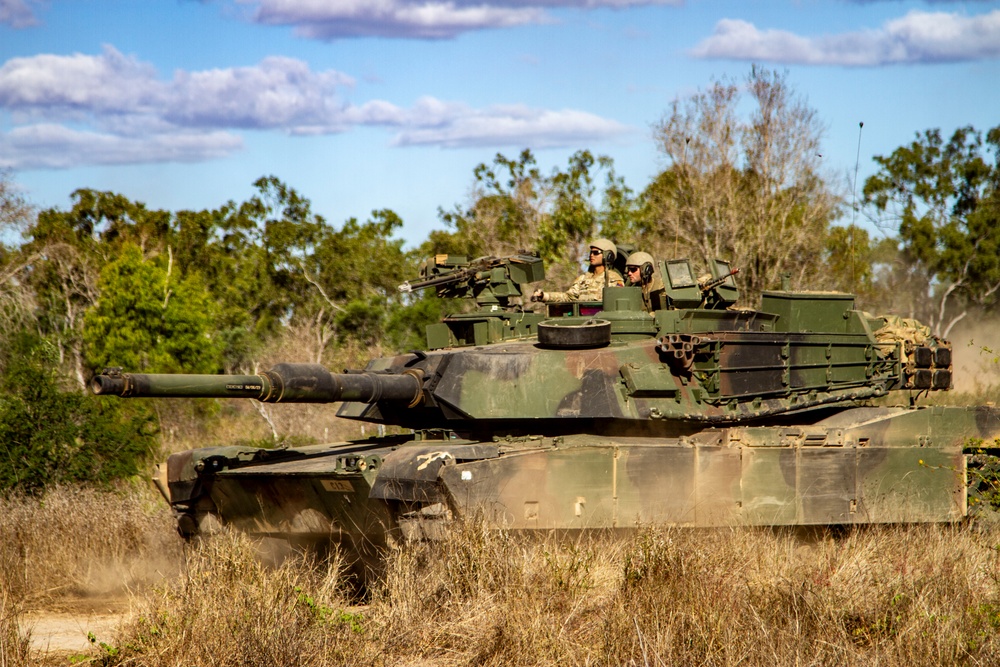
x: 589, y: 285
x: 640, y: 270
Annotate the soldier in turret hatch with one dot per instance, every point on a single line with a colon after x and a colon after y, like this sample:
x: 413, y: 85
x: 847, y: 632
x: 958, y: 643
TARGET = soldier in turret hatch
x: 640, y: 271
x: 589, y: 285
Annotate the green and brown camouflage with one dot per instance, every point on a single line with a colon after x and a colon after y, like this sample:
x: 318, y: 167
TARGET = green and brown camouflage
x: 599, y: 416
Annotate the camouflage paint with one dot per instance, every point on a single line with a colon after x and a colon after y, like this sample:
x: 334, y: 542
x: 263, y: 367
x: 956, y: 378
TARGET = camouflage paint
x: 693, y: 417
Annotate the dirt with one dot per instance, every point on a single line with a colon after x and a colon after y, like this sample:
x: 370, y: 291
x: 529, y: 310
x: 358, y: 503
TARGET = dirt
x: 67, y: 625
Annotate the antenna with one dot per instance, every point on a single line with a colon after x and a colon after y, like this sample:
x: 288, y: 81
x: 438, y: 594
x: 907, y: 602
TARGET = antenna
x: 857, y: 161
x: 854, y: 209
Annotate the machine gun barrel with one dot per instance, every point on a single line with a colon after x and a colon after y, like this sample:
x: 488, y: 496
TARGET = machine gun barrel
x: 715, y: 282
x: 285, y: 383
x: 456, y: 277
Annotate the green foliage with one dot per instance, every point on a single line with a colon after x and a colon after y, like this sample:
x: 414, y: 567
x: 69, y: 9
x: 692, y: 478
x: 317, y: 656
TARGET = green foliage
x: 119, y: 284
x: 328, y: 615
x: 868, y: 267
x: 406, y: 328
x: 984, y: 477
x: 146, y: 320
x: 50, y: 436
x: 515, y: 207
x: 944, y: 200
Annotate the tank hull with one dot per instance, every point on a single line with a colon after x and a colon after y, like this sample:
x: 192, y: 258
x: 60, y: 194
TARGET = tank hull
x: 857, y: 466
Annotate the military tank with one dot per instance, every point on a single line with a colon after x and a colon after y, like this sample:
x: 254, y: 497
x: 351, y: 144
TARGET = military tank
x: 597, y: 416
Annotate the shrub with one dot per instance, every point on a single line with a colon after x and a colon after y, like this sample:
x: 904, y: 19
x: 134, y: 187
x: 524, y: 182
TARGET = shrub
x: 50, y: 436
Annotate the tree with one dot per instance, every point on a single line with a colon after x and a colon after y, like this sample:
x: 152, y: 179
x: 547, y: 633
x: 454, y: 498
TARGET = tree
x: 867, y: 267
x: 15, y: 212
x: 16, y: 299
x: 508, y: 203
x: 515, y: 207
x: 744, y: 190
x: 50, y: 436
x: 146, y: 319
x: 944, y: 201
x: 68, y: 250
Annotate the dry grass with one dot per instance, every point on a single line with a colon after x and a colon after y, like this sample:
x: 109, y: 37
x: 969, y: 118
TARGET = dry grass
x: 79, y: 541
x: 890, y: 596
x: 918, y: 595
x: 14, y: 640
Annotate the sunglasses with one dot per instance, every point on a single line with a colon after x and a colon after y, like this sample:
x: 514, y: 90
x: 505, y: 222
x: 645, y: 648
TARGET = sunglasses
x: 631, y: 269
x: 595, y: 251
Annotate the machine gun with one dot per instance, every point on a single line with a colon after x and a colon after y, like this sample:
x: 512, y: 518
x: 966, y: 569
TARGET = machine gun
x: 491, y: 281
x: 710, y: 298
x: 709, y: 285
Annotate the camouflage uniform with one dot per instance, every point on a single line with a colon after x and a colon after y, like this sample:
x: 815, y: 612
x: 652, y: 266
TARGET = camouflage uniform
x: 649, y: 291
x: 649, y: 286
x: 586, y: 288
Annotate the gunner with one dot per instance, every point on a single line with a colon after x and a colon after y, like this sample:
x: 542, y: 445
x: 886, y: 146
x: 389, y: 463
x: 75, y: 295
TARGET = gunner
x: 589, y: 286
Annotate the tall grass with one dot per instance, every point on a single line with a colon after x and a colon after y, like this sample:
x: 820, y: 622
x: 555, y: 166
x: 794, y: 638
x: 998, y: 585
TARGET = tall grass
x: 15, y: 642
x: 75, y: 542
x: 80, y: 541
x: 916, y: 595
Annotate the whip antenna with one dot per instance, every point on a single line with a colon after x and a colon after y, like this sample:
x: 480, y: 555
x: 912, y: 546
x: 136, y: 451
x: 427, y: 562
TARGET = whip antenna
x: 854, y: 207
x: 857, y: 161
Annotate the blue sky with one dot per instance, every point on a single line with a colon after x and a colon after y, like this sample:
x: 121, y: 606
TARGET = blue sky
x: 366, y: 104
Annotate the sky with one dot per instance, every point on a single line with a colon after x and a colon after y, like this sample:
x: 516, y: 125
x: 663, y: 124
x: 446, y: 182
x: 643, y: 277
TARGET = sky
x: 368, y: 104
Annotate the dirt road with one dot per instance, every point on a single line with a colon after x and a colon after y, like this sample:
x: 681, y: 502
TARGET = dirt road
x: 67, y: 626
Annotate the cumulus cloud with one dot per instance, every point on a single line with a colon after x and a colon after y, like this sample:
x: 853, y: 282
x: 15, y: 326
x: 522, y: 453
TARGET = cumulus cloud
x: 418, y: 19
x: 114, y: 109
x: 275, y: 93
x: 108, y: 83
x: 918, y: 37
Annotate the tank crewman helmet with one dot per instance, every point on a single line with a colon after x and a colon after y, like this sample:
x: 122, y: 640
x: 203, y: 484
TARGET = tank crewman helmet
x: 644, y: 262
x: 607, y: 248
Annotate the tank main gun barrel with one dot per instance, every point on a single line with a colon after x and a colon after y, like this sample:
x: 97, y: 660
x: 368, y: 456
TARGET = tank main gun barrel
x: 285, y: 383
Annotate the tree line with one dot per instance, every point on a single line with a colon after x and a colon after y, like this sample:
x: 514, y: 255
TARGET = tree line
x: 110, y: 282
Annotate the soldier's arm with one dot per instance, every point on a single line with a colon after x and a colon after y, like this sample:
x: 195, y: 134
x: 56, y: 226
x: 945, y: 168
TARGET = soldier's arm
x: 555, y: 297
x: 572, y: 294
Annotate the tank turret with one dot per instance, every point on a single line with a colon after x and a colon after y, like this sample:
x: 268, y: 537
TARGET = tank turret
x: 599, y: 415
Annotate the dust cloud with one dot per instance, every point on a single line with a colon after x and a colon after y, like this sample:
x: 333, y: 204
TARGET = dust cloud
x: 976, y: 356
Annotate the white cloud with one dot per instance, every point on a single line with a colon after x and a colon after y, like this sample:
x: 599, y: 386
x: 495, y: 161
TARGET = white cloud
x: 918, y: 37
x: 16, y: 14
x: 419, y: 19
x: 108, y: 83
x: 114, y: 109
x: 48, y: 146
x: 457, y: 126
x: 117, y: 90
x: 390, y: 18
x: 277, y: 93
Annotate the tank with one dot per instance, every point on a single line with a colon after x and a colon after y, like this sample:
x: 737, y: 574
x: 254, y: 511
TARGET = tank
x: 597, y: 416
